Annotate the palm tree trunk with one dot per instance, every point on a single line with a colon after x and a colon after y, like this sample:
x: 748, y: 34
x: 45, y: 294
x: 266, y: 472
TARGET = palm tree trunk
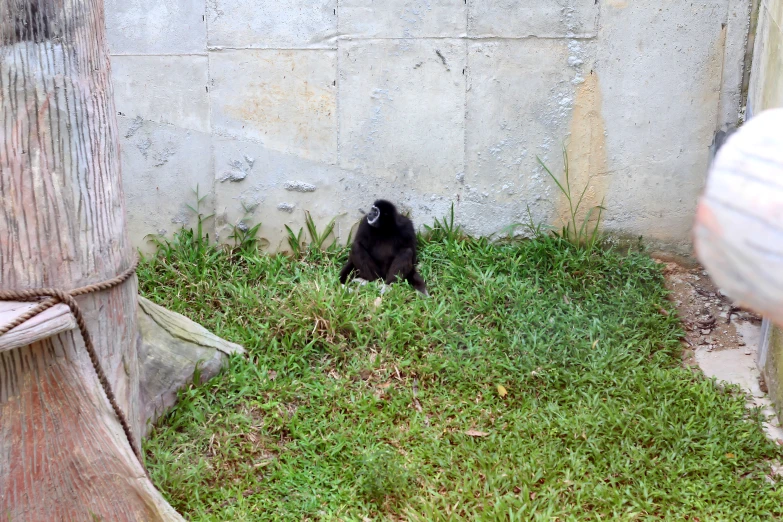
x: 63, y: 453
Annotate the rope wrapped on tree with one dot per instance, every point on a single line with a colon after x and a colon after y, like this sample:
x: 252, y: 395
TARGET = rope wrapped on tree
x: 52, y: 296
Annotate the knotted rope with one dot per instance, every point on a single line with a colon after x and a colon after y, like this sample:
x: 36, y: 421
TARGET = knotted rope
x: 52, y: 296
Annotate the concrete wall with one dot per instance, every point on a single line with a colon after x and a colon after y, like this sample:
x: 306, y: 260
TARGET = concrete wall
x: 766, y: 92
x: 273, y: 107
x: 766, y: 86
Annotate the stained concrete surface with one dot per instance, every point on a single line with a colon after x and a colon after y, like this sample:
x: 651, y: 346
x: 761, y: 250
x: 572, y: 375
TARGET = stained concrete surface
x: 660, y: 109
x: 285, y: 100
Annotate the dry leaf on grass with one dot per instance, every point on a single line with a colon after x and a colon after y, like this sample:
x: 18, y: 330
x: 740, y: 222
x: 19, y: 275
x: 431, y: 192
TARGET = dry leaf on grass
x: 476, y: 433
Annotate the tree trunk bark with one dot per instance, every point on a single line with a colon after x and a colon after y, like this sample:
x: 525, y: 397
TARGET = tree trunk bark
x: 63, y: 453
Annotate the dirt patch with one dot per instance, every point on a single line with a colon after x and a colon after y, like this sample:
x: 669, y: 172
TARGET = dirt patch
x: 711, y: 320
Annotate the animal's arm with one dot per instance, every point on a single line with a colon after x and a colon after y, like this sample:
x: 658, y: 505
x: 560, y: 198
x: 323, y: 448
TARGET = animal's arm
x: 346, y: 271
x: 408, y: 237
x: 418, y: 283
x: 364, y: 263
x: 401, y: 266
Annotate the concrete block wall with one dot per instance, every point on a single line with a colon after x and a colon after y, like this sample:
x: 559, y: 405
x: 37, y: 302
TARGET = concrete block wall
x: 274, y: 107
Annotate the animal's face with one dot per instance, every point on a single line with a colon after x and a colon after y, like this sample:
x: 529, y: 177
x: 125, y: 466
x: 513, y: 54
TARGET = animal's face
x: 381, y: 214
x: 373, y: 216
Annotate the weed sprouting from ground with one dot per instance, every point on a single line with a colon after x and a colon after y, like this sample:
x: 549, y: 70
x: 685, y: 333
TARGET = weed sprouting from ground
x: 349, y: 407
x: 317, y: 239
x: 573, y: 231
x: 446, y: 230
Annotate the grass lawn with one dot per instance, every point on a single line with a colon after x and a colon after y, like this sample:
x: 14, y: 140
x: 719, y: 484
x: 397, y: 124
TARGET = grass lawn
x: 539, y: 382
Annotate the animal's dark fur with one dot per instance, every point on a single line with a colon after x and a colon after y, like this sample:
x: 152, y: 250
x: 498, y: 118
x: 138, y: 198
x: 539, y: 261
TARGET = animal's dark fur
x: 385, y: 249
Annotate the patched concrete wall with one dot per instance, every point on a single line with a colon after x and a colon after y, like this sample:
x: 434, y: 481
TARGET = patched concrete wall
x: 277, y: 107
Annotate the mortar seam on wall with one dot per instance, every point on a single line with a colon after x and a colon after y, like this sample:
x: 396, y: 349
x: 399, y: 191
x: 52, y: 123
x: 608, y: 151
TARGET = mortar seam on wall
x: 219, y: 48
x: 466, y: 73
x: 581, y: 36
x: 347, y: 38
x: 212, y: 161
x: 337, y: 98
x: 337, y: 118
x: 163, y: 55
x: 461, y: 186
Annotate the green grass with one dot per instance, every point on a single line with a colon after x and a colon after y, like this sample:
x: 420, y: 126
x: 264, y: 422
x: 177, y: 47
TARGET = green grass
x: 345, y: 411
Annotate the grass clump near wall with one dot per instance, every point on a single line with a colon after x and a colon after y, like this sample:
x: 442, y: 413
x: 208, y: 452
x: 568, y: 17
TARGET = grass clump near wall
x: 541, y: 381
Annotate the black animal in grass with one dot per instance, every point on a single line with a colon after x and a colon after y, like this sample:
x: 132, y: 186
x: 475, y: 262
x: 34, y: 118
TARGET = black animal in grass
x: 384, y: 248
